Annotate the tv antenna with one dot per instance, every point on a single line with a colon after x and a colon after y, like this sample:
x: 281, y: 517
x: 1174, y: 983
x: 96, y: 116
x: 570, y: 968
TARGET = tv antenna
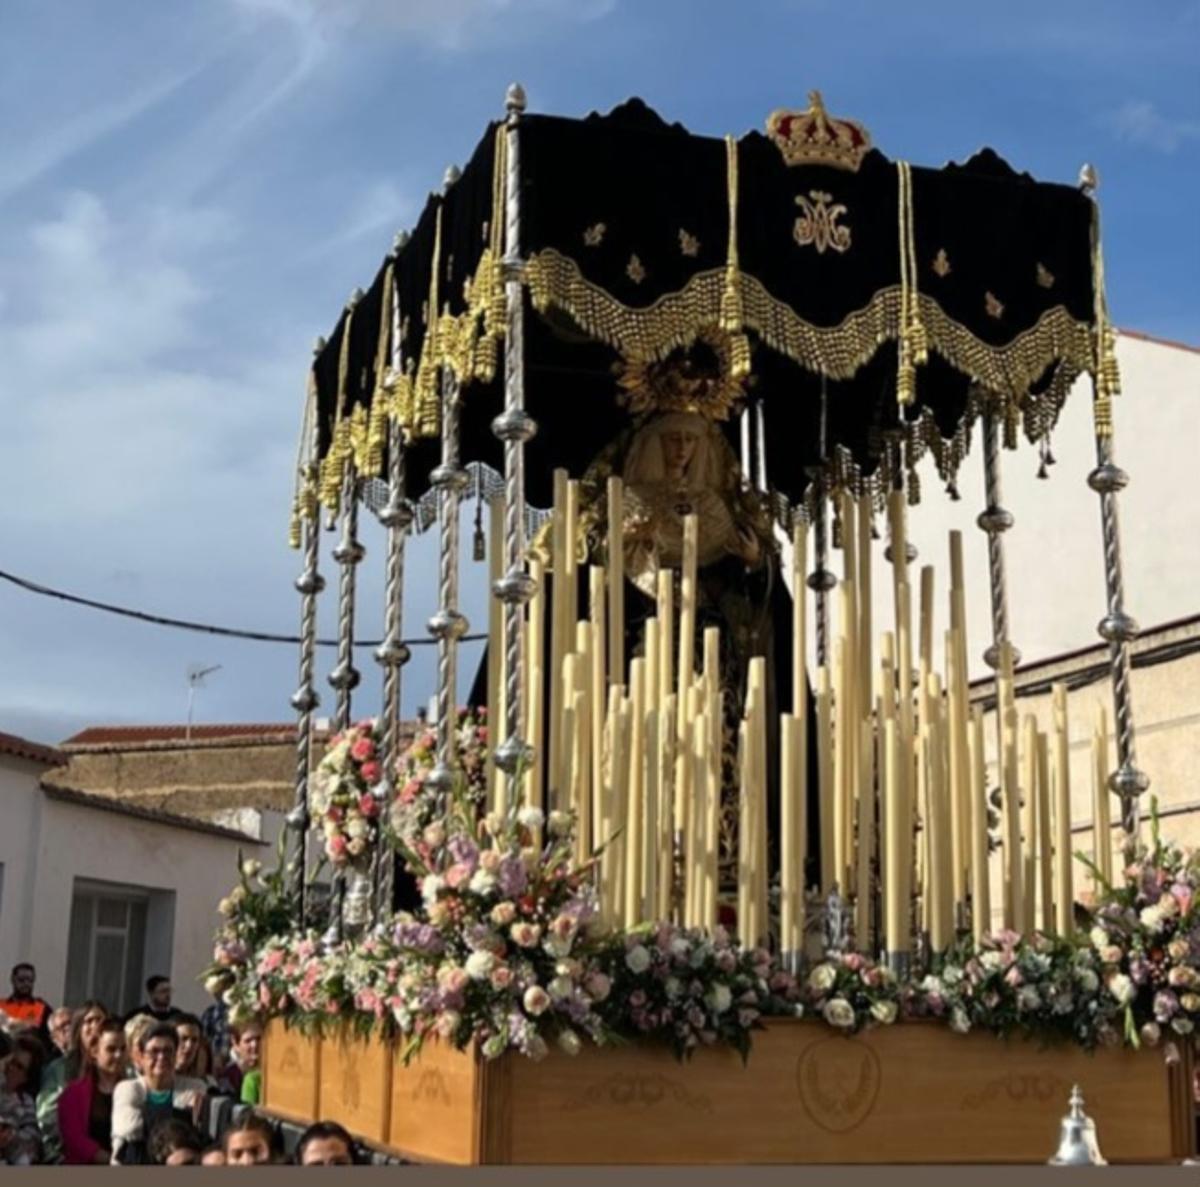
x: 196, y: 674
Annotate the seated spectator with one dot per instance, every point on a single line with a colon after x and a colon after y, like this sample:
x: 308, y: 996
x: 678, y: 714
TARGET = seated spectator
x: 215, y: 1024
x: 249, y: 1141
x: 22, y: 1006
x: 75, y: 1062
x: 155, y: 1095
x: 85, y: 1109
x: 22, y: 1079
x: 245, y: 1054
x: 158, y: 1001
x: 191, y: 1057
x: 213, y: 1155
x: 325, y: 1143
x: 136, y: 1029
x: 175, y: 1143
x: 60, y: 1031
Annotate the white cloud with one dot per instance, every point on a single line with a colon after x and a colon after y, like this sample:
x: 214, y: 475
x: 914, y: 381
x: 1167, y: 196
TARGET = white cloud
x: 1140, y: 123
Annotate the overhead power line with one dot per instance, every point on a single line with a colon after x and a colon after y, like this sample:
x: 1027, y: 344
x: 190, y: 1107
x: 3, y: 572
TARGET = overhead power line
x: 183, y: 624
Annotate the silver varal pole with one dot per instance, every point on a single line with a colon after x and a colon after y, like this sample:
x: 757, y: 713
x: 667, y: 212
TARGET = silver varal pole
x: 514, y: 427
x: 1117, y: 627
x: 448, y: 624
x: 392, y: 653
x: 821, y: 580
x: 345, y: 676
x: 304, y: 700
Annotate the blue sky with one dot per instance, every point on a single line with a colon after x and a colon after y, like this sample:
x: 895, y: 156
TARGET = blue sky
x: 190, y: 190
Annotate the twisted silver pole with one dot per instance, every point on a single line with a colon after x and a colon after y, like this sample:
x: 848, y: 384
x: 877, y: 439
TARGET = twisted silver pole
x: 995, y: 520
x: 447, y: 625
x: 821, y: 580
x: 304, y: 700
x: 392, y: 653
x: 345, y: 676
x: 514, y: 426
x: 1117, y: 627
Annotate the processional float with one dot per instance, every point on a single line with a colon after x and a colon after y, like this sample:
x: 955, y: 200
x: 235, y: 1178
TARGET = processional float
x: 583, y: 317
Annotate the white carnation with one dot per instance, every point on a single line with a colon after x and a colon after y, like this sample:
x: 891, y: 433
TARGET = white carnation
x: 638, y: 959
x: 479, y: 965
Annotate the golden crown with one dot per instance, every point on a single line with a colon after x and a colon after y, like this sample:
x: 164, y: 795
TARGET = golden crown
x: 815, y: 137
x: 697, y: 378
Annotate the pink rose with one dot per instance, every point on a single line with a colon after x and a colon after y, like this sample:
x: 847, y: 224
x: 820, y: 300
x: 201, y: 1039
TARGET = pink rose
x: 598, y: 985
x: 501, y: 977
x: 536, y: 1000
x: 362, y: 750
x: 564, y: 927
x: 489, y: 861
x: 1013, y: 977
x: 452, y: 978
x: 410, y: 791
x: 368, y: 805
x: 526, y: 935
x: 458, y: 874
x: 371, y: 771
x: 336, y: 847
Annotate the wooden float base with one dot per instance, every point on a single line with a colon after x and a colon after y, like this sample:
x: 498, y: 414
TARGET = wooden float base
x: 910, y: 1093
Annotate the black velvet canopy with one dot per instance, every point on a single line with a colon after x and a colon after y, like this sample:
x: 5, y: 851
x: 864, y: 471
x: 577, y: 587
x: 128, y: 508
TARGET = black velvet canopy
x: 626, y: 234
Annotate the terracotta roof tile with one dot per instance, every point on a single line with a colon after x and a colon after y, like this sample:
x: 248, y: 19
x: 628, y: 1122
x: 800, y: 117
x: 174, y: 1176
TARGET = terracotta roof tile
x: 34, y: 751
x: 108, y: 735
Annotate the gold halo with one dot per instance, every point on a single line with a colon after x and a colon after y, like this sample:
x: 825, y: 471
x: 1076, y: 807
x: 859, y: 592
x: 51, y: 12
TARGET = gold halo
x: 663, y: 385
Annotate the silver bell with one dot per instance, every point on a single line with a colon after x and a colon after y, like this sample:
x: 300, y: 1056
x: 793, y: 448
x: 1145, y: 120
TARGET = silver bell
x: 1077, y: 1143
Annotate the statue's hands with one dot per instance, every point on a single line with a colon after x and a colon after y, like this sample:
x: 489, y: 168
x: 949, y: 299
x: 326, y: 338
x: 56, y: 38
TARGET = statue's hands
x: 748, y: 547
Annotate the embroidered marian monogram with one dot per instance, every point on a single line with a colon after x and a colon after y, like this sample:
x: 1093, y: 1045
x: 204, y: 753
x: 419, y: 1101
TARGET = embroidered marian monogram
x: 819, y: 225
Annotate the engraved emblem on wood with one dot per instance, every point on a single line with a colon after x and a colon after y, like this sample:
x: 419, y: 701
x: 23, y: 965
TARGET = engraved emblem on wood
x: 637, y: 1091
x: 431, y: 1086
x: 289, y: 1062
x: 1039, y: 1088
x: 838, y: 1080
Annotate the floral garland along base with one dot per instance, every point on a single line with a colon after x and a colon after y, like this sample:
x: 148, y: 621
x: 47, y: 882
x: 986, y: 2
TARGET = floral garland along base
x: 508, y: 951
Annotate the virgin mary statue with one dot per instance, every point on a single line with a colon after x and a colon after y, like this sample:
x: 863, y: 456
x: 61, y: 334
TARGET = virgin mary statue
x: 676, y: 461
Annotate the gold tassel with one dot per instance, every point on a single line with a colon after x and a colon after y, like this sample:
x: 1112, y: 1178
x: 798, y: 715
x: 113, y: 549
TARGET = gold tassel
x: 426, y: 413
x: 913, y: 349
x: 294, y: 526
x: 732, y: 314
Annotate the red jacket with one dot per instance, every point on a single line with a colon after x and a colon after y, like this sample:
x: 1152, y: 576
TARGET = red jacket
x: 74, y: 1111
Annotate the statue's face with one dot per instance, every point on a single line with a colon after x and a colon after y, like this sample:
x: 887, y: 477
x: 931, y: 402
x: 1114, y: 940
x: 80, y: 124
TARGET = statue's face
x: 678, y: 450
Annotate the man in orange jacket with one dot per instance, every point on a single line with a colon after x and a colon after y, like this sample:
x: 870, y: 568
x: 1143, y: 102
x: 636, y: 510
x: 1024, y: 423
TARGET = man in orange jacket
x: 21, y: 1005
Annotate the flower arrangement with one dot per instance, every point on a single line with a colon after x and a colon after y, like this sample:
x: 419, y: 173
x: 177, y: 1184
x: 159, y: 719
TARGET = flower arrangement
x: 1146, y: 936
x: 850, y: 992
x: 341, y: 794
x: 692, y: 988
x: 413, y: 810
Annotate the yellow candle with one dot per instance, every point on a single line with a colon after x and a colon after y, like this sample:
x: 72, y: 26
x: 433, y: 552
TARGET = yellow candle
x: 585, y: 740
x: 599, y: 656
x: 1045, y: 836
x: 866, y: 632
x: 865, y: 838
x: 895, y: 904
x: 1064, y: 891
x: 981, y: 903
x: 495, y: 654
x: 635, y: 820
x: 616, y: 581
x: 788, y: 898
x: 799, y: 619
x: 745, y: 842
x: 1029, y: 857
x: 651, y: 848
x: 534, y: 684
x: 826, y: 786
x: 959, y: 786
x: 666, y: 628
x: 1102, y: 828
x: 559, y: 645
x: 686, y: 665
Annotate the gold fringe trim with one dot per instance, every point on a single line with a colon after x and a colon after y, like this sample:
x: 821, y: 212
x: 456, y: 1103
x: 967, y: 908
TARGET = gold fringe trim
x: 676, y: 319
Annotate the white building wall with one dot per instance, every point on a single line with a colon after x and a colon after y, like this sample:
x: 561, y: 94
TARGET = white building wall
x: 47, y: 844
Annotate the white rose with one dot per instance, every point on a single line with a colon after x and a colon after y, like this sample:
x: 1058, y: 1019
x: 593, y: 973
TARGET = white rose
x: 536, y: 1000
x: 226, y: 907
x: 719, y: 999
x: 1028, y: 998
x: 356, y: 846
x: 1181, y: 1025
x: 679, y: 946
x: 447, y: 1023
x: 479, y: 965
x: 568, y: 1040
x: 822, y: 978
x: 251, y: 866
x: 560, y: 988
x: 537, y: 1049
x: 482, y: 882
x: 838, y: 1012
x: 214, y: 984
x: 330, y: 828
x: 885, y: 1012
x: 434, y: 835
x: 1168, y: 905
x: 357, y: 828
x: 1152, y: 919
x: 1099, y: 937
x: 431, y: 884
x: 530, y: 817
x: 503, y: 913
x: 637, y: 959
x: 1121, y: 987
x: 991, y: 961
x: 1088, y: 981
x: 559, y: 824
x: 960, y: 1021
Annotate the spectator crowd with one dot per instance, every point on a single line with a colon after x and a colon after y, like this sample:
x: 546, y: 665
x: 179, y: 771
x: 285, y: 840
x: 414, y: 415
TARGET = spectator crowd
x: 84, y: 1087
